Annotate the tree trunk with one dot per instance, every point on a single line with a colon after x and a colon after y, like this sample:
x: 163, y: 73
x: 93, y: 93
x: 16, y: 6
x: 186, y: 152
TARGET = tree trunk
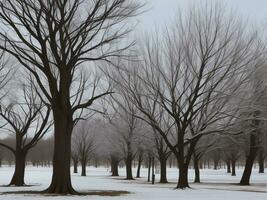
x: 245, y: 180
x: 75, y: 166
x: 128, y: 162
x: 197, y: 172
x: 149, y: 169
x: 183, y: 177
x: 163, y: 170
x: 83, y: 164
x: 61, y: 178
x: 228, y: 163
x: 114, y: 167
x: 233, y: 167
x: 216, y: 163
x: 261, y: 161
x: 140, y: 159
x: 18, y: 176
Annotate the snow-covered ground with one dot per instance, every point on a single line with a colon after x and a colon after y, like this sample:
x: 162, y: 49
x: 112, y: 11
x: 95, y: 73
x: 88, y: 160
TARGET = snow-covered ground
x: 215, y: 185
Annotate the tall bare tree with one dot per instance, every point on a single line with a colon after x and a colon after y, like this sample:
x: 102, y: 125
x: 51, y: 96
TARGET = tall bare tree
x: 53, y: 40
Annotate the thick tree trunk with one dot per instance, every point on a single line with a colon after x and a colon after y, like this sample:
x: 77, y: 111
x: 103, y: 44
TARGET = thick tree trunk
x: 61, y: 178
x: 18, y: 176
x: 245, y: 180
x: 128, y: 162
x: 140, y: 159
x: 228, y: 163
x: 75, y: 166
x: 163, y: 169
x: 183, y: 177
x: 183, y: 171
x: 197, y: 172
x: 83, y: 164
x: 233, y: 167
x: 114, y: 167
x: 261, y: 161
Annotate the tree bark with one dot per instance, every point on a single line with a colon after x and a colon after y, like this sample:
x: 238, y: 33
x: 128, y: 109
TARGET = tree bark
x: 61, y: 178
x: 18, y: 176
x: 233, y: 167
x: 245, y: 180
x: 197, y: 172
x: 75, y: 166
x: 128, y: 162
x: 228, y: 163
x: 83, y: 164
x: 163, y: 169
x: 149, y: 169
x: 183, y: 177
x: 216, y: 163
x: 140, y: 159
x: 261, y: 161
x: 114, y: 167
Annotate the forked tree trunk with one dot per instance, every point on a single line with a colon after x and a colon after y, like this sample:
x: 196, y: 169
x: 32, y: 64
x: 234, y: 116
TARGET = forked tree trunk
x: 233, y: 167
x: 18, y: 176
x: 163, y: 170
x: 261, y: 161
x: 228, y: 163
x: 114, y: 167
x: 197, y: 172
x: 140, y: 159
x: 128, y: 162
x: 83, y: 164
x: 245, y: 180
x: 61, y: 178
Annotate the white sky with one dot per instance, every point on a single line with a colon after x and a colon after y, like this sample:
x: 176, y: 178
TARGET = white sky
x: 161, y: 11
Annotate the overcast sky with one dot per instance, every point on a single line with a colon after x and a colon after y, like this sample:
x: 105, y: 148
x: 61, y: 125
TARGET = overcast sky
x: 161, y: 11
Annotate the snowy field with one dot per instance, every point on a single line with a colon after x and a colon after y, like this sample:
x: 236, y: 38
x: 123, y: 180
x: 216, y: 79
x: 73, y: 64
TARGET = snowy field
x: 215, y: 185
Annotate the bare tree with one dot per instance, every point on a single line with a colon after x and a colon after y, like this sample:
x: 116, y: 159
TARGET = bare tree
x: 84, y: 141
x: 127, y: 126
x: 53, y: 40
x: 192, y: 74
x: 22, y: 118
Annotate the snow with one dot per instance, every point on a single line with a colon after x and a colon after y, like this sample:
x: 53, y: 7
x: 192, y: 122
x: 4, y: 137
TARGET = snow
x: 216, y: 184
